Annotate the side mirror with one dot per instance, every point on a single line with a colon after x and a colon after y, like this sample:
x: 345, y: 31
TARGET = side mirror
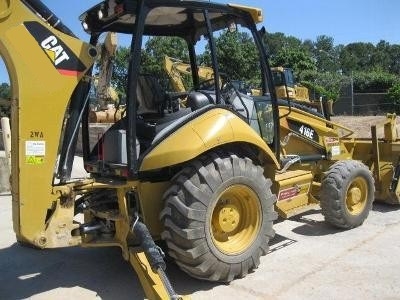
x: 262, y: 32
x: 232, y: 27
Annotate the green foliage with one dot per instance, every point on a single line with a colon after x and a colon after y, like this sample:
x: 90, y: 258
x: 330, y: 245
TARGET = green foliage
x: 365, y: 57
x: 298, y: 59
x: 356, y: 57
x: 4, y: 96
x: 393, y: 94
x: 237, y: 49
x: 120, y: 71
x: 317, y: 64
x: 151, y: 62
x: 374, y: 81
x: 278, y: 41
x: 5, y: 91
x: 154, y: 52
x: 290, y: 52
x: 326, y: 85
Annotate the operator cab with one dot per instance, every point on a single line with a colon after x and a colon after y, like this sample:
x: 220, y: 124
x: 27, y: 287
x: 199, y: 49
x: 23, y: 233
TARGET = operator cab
x: 283, y: 77
x: 198, y: 26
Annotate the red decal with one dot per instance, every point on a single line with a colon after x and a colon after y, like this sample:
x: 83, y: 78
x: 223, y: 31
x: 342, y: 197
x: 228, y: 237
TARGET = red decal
x: 69, y: 72
x: 289, y: 193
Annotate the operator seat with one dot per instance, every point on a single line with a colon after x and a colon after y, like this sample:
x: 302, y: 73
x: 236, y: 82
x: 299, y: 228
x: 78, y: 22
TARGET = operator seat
x: 199, y: 99
x: 151, y: 97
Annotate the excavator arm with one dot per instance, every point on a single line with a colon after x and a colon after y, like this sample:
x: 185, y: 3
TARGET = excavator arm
x: 47, y: 68
x: 175, y: 68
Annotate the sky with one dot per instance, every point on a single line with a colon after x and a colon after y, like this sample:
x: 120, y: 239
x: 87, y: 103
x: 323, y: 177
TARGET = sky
x: 346, y: 21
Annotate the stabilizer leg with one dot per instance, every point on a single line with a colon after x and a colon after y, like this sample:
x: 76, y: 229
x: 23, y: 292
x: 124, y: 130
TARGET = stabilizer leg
x: 149, y: 264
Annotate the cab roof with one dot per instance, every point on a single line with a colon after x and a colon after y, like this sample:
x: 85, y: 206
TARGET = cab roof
x: 166, y: 17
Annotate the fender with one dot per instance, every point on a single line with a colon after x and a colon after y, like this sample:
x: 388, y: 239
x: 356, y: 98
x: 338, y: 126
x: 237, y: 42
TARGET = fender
x: 213, y: 129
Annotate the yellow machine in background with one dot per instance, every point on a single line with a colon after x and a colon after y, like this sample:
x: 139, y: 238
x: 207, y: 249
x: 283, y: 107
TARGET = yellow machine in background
x: 208, y: 179
x: 107, y: 109
x: 287, y: 88
x: 285, y: 85
x: 175, y: 68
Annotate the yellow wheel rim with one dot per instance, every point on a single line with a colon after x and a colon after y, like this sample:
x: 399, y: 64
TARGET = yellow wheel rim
x: 236, y: 219
x: 356, y: 196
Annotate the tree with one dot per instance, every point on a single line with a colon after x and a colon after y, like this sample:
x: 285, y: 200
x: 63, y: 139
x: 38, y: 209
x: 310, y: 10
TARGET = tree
x: 5, y: 95
x: 238, y: 49
x: 323, y: 84
x: 326, y: 54
x: 373, y: 81
x: 152, y: 58
x: 393, y: 95
x: 120, y: 71
x: 154, y: 52
x: 357, y: 57
x: 278, y: 41
x: 296, y: 58
x: 394, y: 59
x: 380, y: 58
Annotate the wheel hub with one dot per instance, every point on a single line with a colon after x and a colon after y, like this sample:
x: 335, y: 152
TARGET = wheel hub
x: 236, y: 219
x: 355, y: 195
x: 228, y: 218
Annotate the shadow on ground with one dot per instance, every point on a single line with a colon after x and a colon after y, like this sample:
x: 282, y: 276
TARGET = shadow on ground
x: 384, y: 207
x: 26, y: 272
x: 312, y: 227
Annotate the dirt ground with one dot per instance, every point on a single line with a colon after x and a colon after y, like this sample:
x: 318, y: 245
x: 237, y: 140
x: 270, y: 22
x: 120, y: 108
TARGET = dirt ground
x: 361, y: 125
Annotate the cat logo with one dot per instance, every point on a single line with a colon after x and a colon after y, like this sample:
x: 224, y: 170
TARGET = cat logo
x: 60, y: 55
x: 55, y: 51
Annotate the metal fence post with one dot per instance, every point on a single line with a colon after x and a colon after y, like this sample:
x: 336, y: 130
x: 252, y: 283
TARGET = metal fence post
x: 352, y: 93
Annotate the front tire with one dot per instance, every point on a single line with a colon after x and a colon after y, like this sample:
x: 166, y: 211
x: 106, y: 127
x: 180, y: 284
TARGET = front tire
x: 347, y: 193
x: 218, y: 217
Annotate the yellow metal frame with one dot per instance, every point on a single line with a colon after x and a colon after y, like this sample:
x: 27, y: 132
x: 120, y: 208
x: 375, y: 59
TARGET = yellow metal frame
x: 28, y: 65
x: 256, y: 13
x: 215, y: 128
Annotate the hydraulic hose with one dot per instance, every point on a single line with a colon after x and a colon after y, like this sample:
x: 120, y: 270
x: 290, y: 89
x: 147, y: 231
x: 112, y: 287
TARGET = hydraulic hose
x: 154, y: 256
x: 38, y: 7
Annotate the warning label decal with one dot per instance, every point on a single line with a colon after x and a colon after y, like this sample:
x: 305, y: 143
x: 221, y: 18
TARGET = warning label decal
x: 35, y: 152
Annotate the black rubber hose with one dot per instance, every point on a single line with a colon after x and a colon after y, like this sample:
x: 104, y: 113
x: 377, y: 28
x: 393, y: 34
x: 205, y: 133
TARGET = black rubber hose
x: 38, y: 7
x: 154, y: 256
x: 149, y: 247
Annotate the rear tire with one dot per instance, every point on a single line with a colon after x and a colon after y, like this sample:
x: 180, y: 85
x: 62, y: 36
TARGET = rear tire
x: 347, y: 193
x: 218, y: 217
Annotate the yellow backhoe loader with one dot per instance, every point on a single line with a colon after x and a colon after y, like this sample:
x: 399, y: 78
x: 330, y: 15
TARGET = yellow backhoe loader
x: 208, y: 179
x: 287, y: 88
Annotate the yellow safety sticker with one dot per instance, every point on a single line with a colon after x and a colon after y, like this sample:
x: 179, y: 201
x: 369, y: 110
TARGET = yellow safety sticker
x: 34, y: 160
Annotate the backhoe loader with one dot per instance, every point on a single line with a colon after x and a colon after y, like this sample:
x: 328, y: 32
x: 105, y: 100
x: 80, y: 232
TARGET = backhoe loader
x: 287, y: 88
x: 208, y: 179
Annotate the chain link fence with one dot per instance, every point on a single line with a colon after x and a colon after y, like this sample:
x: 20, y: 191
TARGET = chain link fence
x: 354, y: 103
